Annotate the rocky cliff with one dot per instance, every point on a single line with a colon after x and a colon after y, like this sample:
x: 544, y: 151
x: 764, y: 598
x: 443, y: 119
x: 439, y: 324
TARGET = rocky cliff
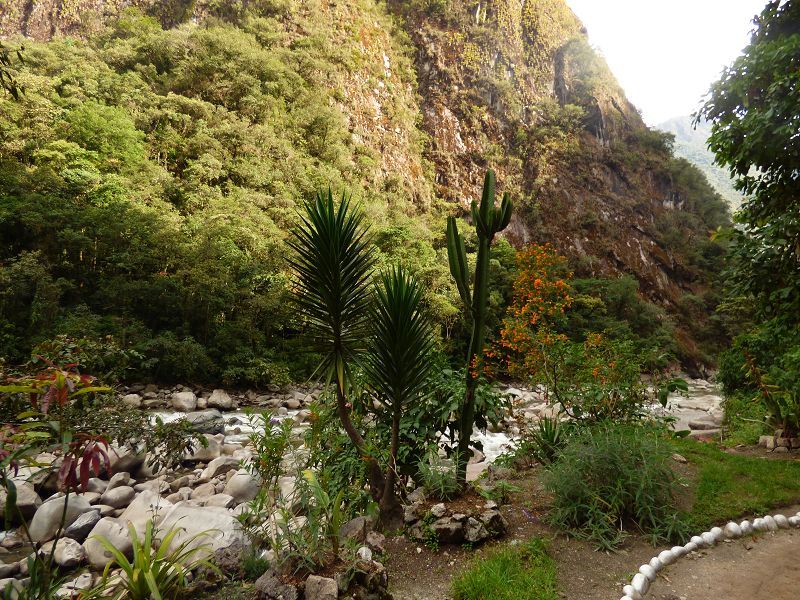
x: 441, y: 90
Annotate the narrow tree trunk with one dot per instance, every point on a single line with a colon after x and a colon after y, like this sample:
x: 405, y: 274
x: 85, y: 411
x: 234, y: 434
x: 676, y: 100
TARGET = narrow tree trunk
x: 374, y: 474
x: 391, y: 517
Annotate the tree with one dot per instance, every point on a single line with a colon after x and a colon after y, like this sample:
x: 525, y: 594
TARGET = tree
x: 333, y: 262
x: 754, y: 110
x: 398, y: 363
x: 8, y: 79
x: 489, y: 221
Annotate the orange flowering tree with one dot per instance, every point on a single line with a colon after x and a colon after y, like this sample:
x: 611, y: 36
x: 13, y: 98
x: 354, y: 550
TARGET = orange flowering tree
x: 593, y: 379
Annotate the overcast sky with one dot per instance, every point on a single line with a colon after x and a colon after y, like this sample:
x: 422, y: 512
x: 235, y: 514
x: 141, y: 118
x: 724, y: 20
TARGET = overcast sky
x: 666, y: 53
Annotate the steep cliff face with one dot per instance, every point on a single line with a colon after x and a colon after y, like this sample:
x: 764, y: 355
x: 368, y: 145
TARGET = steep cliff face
x: 515, y: 85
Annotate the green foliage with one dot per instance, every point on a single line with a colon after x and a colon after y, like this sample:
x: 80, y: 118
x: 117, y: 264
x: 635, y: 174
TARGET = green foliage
x: 762, y: 366
x: 744, y: 419
x: 439, y: 476
x: 753, y: 111
x: 499, y: 492
x: 524, y: 572
x: 158, y: 568
x: 8, y: 79
x: 489, y: 221
x: 172, y: 161
x: 253, y: 566
x: 613, y: 475
x: 270, y: 440
x: 305, y: 547
x: 544, y: 440
x: 730, y: 485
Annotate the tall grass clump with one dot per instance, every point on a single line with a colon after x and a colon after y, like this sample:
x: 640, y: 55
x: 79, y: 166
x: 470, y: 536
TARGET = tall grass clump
x: 611, y: 476
x: 523, y: 572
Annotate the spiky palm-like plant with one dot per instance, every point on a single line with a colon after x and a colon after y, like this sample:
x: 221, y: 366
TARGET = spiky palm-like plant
x: 398, y: 362
x: 488, y: 220
x: 333, y: 263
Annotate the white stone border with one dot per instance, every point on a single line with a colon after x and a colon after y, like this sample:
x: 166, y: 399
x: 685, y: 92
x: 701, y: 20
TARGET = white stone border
x: 640, y: 584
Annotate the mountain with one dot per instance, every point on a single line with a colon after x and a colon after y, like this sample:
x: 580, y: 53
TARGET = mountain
x: 690, y: 143
x: 150, y: 176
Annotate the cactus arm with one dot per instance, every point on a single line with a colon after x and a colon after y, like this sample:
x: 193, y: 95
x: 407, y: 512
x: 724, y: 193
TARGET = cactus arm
x: 457, y: 256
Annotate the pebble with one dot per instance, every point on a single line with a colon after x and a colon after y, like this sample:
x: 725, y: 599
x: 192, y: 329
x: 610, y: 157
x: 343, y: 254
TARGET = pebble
x: 781, y: 521
x: 648, y: 572
x: 666, y: 557
x: 733, y: 531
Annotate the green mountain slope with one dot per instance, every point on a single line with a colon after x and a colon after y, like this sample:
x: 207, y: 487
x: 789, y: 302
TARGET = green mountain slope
x: 150, y: 175
x: 690, y: 143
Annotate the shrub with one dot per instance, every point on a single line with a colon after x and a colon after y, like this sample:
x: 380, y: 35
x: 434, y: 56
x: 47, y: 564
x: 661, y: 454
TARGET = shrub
x: 524, y: 572
x: 439, y: 476
x: 544, y: 440
x: 614, y: 475
x: 156, y: 570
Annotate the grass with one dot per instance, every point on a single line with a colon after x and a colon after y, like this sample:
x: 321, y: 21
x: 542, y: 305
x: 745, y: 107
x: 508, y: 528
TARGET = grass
x: 728, y: 486
x: 524, y: 572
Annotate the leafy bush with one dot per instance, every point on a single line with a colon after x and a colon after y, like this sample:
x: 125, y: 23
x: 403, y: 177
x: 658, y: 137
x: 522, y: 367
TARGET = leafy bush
x: 524, y: 572
x: 544, y: 440
x: 439, y: 476
x: 156, y: 570
x: 612, y: 476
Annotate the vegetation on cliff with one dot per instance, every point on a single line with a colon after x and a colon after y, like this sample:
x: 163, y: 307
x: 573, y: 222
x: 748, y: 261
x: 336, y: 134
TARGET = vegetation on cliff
x: 151, y: 172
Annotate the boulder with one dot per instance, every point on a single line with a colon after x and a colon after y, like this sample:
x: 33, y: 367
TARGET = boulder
x: 220, y: 399
x: 145, y: 507
x: 113, y: 531
x: 28, y: 501
x: 356, y: 530
x: 119, y: 497
x: 206, y: 421
x: 132, y: 400
x: 270, y: 587
x: 242, y: 486
x: 184, y: 401
x: 119, y: 479
x: 321, y: 588
x: 212, y: 450
x: 69, y: 553
x: 83, y: 525
x: 210, y: 527
x: 47, y: 520
x: 205, y: 490
x: 219, y: 466
x: 223, y: 500
x: 96, y: 485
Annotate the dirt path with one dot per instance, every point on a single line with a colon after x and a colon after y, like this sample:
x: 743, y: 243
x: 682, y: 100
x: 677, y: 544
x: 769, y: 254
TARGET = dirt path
x: 765, y: 567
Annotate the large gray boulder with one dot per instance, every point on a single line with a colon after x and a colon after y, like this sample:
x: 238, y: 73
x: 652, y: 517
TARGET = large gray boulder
x: 220, y: 399
x: 210, y: 452
x: 68, y: 553
x: 219, y: 466
x: 184, y: 401
x: 210, y: 527
x: 242, y: 486
x: 207, y: 421
x: 147, y: 506
x: 113, y: 531
x: 47, y: 520
x: 28, y: 501
x: 119, y: 497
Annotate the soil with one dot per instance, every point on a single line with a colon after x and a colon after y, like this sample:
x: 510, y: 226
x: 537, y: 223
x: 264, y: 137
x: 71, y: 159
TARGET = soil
x: 754, y: 568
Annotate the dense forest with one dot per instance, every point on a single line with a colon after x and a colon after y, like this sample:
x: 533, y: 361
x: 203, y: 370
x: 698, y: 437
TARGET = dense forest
x: 151, y: 172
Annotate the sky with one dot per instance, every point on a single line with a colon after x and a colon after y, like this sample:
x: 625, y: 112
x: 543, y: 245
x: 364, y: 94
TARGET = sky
x: 667, y: 53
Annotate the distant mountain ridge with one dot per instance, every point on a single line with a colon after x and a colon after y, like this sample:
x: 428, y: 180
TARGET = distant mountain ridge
x: 690, y: 143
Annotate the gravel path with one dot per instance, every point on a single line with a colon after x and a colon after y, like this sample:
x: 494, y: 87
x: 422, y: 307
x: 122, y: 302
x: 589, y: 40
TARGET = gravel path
x: 764, y: 567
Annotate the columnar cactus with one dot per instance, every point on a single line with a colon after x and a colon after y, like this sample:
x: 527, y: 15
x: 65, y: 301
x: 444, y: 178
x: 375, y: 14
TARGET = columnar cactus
x: 488, y: 220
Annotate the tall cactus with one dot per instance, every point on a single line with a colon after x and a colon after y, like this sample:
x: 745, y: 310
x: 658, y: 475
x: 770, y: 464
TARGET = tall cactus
x: 488, y: 220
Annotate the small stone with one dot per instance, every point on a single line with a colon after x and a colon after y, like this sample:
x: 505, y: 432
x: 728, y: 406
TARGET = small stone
x: 438, y: 510
x: 698, y: 540
x: 678, y: 551
x: 678, y: 458
x: 132, y: 400
x: 666, y: 557
x: 717, y: 533
x: 364, y: 553
x: 321, y: 588
x: 640, y: 583
x: 781, y: 521
x: 631, y: 593
x: 648, y: 572
x: 733, y: 531
x: 709, y: 539
x: 746, y: 527
x: 656, y: 564
x: 771, y: 524
x: 690, y: 547
x: 68, y: 553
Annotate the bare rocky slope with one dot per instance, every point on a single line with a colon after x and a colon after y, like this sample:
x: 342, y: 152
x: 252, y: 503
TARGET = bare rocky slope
x: 509, y: 84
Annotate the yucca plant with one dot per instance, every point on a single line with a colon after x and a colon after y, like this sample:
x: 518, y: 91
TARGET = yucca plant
x: 333, y: 261
x: 158, y: 573
x: 489, y: 220
x: 398, y: 363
